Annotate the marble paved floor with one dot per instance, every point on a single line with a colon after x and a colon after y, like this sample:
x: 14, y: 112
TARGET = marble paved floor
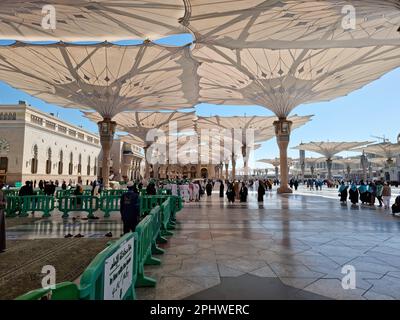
x: 295, y: 245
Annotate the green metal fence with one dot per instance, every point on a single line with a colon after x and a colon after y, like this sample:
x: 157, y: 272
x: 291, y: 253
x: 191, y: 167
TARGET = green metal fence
x: 118, y: 269
x: 145, y: 239
x: 166, y: 225
x: 113, y: 272
x: 68, y: 203
x: 109, y: 204
x: 25, y: 204
x: 87, y: 204
x: 110, y: 276
x: 156, y: 223
x: 117, y: 192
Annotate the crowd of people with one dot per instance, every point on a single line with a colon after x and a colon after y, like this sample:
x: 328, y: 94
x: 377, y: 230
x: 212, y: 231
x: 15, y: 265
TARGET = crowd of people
x: 368, y: 193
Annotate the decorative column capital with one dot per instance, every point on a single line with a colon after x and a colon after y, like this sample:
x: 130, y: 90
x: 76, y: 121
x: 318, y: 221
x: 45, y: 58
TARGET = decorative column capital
x: 106, y: 129
x: 283, y: 129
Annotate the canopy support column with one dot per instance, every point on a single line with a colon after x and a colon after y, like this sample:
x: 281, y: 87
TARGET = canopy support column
x: 282, y: 131
x: 106, y: 131
x: 233, y: 166
x: 146, y: 163
x: 226, y: 170
x: 364, y: 163
x: 329, y: 166
x: 245, y: 154
x: 303, y: 169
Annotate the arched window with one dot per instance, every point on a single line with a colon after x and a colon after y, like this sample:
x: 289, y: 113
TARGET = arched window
x: 61, y: 162
x: 80, y: 164
x: 71, y: 164
x: 88, y: 166
x: 95, y: 166
x: 34, y: 162
x: 48, y: 161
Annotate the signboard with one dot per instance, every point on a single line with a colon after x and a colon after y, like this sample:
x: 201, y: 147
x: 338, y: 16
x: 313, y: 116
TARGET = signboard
x: 18, y: 184
x: 118, y: 269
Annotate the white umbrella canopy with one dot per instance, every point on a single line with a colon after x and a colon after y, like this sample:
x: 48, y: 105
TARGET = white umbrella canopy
x: 103, y: 77
x: 261, y: 126
x: 328, y: 148
x: 274, y: 162
x: 378, y: 162
x: 133, y: 140
x: 283, y: 24
x: 313, y: 161
x: 87, y: 20
x: 348, y: 161
x: 386, y: 149
x: 280, y: 80
x: 139, y: 124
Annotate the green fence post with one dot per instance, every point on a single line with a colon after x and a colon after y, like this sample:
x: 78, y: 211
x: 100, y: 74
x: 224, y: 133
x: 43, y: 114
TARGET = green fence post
x: 156, y: 214
x: 145, y: 236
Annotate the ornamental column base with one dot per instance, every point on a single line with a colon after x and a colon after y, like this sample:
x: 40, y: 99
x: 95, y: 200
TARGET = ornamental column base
x: 284, y: 189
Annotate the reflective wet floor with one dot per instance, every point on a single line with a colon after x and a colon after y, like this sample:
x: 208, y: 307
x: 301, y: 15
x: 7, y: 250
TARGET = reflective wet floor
x: 288, y: 247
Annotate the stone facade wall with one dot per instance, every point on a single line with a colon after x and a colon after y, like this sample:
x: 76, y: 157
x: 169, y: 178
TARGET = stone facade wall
x: 36, y: 135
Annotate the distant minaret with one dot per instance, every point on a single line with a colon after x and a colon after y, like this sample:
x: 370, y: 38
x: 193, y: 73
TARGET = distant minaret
x: 302, y: 162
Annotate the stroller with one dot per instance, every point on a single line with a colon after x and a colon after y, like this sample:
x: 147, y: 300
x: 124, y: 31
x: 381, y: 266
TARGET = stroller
x: 396, y: 206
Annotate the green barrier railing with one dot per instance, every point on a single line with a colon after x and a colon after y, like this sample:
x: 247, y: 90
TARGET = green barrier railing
x: 166, y: 226
x: 63, y: 193
x: 112, y: 192
x: 62, y: 291
x: 149, y: 202
x: 113, y: 272
x: 122, y: 262
x: 144, y: 231
x: 156, y: 223
x: 13, y: 205
x: 10, y: 192
x: 145, y: 205
x: 23, y: 205
x: 110, y: 276
x: 109, y: 204
x: 164, y: 192
x: 87, y: 204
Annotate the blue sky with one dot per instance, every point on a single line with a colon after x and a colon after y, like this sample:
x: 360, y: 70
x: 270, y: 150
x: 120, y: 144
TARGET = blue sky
x: 371, y: 111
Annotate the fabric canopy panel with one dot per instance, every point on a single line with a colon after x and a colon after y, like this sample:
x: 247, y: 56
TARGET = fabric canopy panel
x: 288, y: 24
x: 102, y: 77
x: 314, y: 161
x: 263, y: 126
x: 386, y: 149
x: 139, y: 124
x: 280, y: 80
x: 378, y: 162
x: 330, y: 149
x: 87, y: 20
x: 132, y: 140
x: 348, y: 161
x: 274, y: 162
